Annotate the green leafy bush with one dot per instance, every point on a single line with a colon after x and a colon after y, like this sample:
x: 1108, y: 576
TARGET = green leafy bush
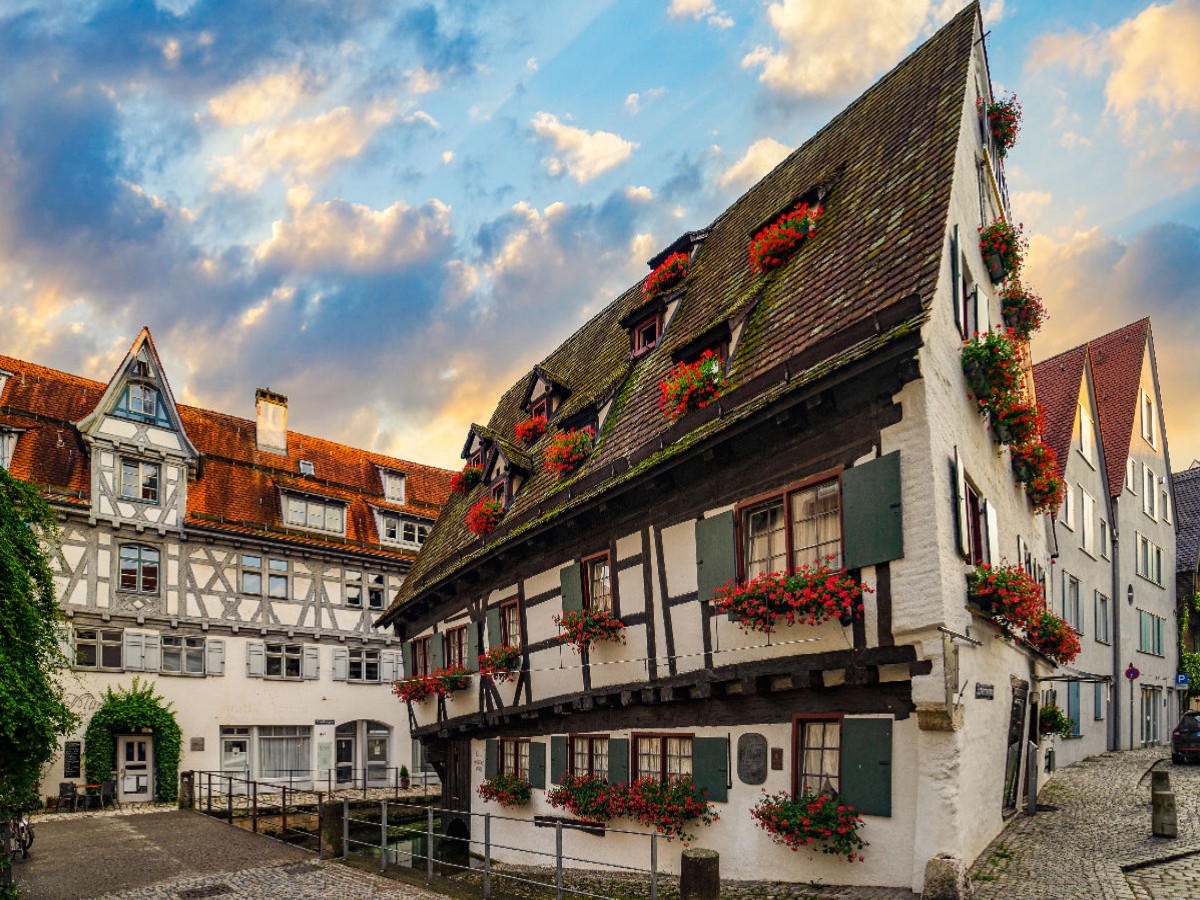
x: 128, y: 710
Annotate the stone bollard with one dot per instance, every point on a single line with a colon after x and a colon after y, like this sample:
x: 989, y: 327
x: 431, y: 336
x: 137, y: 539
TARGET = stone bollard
x: 331, y: 829
x: 1160, y: 780
x: 699, y: 875
x: 187, y: 790
x: 946, y: 879
x: 1163, y: 819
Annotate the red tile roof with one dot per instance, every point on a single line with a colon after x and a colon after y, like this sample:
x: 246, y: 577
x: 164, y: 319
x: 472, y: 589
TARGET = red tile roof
x: 1057, y: 383
x: 238, y: 486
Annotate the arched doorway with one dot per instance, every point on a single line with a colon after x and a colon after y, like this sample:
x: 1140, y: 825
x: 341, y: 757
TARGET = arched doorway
x: 363, y: 751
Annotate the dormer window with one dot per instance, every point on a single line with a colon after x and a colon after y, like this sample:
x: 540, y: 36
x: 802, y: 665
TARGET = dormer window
x: 645, y: 334
x: 313, y: 515
x: 307, y: 469
x: 142, y: 403
x: 499, y: 489
x: 405, y: 531
x: 541, y: 408
x: 393, y: 487
x: 8, y: 445
x: 476, y: 459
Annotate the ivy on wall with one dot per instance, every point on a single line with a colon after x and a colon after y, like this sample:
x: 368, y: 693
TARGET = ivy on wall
x: 125, y: 711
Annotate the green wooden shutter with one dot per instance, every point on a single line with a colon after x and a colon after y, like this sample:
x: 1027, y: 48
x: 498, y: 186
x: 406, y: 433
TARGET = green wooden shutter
x: 956, y: 280
x: 537, y: 764
x: 491, y: 758
x: 872, y: 524
x: 867, y: 765
x: 493, y: 627
x: 571, y: 580
x: 716, y: 553
x: 618, y: 760
x: 558, y: 758
x: 406, y: 651
x: 710, y: 767
x: 437, y: 651
x: 472, y: 647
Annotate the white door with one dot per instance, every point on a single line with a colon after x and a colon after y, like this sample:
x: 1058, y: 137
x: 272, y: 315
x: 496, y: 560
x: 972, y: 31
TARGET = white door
x: 135, y: 769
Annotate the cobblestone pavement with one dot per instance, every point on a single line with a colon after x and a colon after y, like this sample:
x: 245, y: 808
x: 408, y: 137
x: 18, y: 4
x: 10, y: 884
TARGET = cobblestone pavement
x: 1098, y: 825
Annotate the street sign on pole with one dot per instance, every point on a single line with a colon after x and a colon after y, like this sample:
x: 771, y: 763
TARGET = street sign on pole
x: 1181, y: 679
x: 1132, y: 674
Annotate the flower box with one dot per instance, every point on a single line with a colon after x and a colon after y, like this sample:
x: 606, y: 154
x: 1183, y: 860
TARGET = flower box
x: 809, y: 595
x: 1015, y: 421
x: 992, y: 364
x: 811, y: 821
x: 1035, y: 466
x: 774, y: 245
x: 587, y: 797
x: 484, y: 516
x: 1022, y: 309
x: 500, y: 663
x: 568, y: 450
x: 1007, y: 595
x: 669, y: 273
x: 1003, y: 120
x: 1052, y: 721
x: 463, y: 481
x: 440, y: 682
x: 531, y: 429
x: 1053, y: 637
x: 506, y: 789
x: 666, y: 806
x: 691, y: 386
x: 589, y: 626
x: 1002, y: 247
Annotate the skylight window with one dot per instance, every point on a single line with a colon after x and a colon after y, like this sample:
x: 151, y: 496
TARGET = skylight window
x: 307, y: 468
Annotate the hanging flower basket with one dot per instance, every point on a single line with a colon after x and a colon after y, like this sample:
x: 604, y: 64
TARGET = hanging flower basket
x: 668, y: 807
x: 1053, y: 722
x: 484, y: 516
x: 413, y: 690
x: 774, y: 245
x: 500, y: 663
x: 1053, y: 637
x: 1004, y: 121
x: 1008, y: 595
x: 568, y: 449
x: 1002, y: 246
x: 1036, y: 467
x: 590, y: 626
x: 809, y: 595
x: 669, y: 273
x: 1015, y: 421
x: 992, y: 363
x: 1023, y: 310
x: 691, y: 386
x: 463, y: 481
x: 811, y: 821
x: 506, y: 789
x: 440, y: 682
x: 531, y: 429
x: 587, y: 797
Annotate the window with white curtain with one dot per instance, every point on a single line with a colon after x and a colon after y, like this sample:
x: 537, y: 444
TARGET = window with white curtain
x: 284, y: 750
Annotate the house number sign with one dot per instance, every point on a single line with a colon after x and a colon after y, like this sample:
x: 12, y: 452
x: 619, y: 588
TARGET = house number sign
x: 752, y: 758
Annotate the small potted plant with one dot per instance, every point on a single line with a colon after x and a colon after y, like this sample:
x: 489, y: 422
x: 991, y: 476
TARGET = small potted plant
x: 1003, y: 120
x: 1036, y: 467
x: 568, y: 450
x: 405, y: 780
x: 463, y: 481
x: 668, y: 274
x: 811, y: 821
x: 691, y: 386
x: 506, y: 789
x: 774, y: 245
x: 1022, y: 309
x: 484, y: 516
x: 992, y: 364
x: 1002, y: 247
x: 590, y: 626
x: 531, y: 429
x: 1053, y: 722
x: 500, y: 663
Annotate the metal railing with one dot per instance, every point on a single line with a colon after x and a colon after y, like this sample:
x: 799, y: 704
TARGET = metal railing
x: 340, y: 779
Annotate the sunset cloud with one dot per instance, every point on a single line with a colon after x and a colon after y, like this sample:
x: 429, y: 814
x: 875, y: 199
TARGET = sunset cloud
x: 579, y: 153
x: 759, y: 159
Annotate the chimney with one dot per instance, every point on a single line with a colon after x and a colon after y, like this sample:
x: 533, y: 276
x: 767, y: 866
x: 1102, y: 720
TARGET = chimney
x: 271, y: 433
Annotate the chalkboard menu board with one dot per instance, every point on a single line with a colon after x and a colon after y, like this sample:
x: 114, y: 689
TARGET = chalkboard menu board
x: 71, y: 756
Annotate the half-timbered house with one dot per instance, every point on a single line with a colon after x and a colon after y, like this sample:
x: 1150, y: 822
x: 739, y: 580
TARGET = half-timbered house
x: 844, y: 432
x: 236, y: 564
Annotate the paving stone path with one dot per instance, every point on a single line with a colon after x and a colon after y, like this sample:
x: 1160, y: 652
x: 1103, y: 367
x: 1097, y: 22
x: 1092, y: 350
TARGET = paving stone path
x: 1094, y: 839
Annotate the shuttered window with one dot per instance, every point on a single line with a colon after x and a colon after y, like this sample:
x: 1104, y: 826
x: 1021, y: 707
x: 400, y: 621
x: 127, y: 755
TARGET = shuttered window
x: 589, y: 754
x: 421, y: 654
x: 818, y: 755
x: 510, y: 624
x: 661, y: 756
x: 800, y: 526
x: 456, y: 647
x: 514, y: 758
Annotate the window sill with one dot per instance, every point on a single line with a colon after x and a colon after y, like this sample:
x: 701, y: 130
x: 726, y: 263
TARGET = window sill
x: 182, y: 674
x: 285, y: 678
x: 363, y: 681
x: 139, y: 501
x: 1151, y: 581
x: 1105, y: 643
x: 1151, y: 653
x: 79, y: 668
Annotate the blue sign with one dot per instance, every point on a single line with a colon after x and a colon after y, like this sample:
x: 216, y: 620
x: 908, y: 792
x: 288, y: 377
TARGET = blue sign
x: 1181, y: 679
x: 1131, y: 673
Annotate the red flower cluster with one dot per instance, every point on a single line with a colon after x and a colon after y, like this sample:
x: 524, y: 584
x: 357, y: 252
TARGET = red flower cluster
x: 1053, y: 637
x: 1053, y: 721
x: 1005, y: 245
x: 809, y: 595
x: 691, y: 386
x: 484, y: 516
x: 774, y: 244
x: 506, y: 789
x: 568, y: 449
x: 1036, y: 467
x: 440, y: 682
x: 811, y: 819
x: 666, y: 806
x: 1008, y: 594
x: 993, y: 363
x: 665, y: 277
x: 1004, y: 119
x: 1015, y: 421
x: 531, y: 429
x: 500, y: 663
x: 590, y: 626
x: 463, y: 481
x: 1023, y: 310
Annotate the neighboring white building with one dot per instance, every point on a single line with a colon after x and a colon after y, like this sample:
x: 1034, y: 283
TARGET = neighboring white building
x: 845, y: 429
x: 234, y: 563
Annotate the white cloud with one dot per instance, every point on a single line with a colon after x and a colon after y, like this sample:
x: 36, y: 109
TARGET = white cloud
x: 254, y: 99
x: 699, y: 9
x: 531, y: 64
x: 641, y: 193
x: 759, y: 159
x: 1029, y: 205
x: 447, y: 157
x: 422, y: 81
x: 830, y: 47
x: 632, y: 104
x: 580, y: 153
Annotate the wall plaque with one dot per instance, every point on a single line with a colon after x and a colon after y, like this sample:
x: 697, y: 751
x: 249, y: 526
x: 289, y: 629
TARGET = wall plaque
x: 71, y: 756
x: 777, y: 759
x: 985, y: 691
x: 324, y: 721
x: 197, y: 744
x: 752, y: 758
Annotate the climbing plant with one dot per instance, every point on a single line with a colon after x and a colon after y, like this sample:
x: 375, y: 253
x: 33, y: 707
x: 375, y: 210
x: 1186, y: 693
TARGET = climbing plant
x: 128, y: 710
x: 1189, y: 663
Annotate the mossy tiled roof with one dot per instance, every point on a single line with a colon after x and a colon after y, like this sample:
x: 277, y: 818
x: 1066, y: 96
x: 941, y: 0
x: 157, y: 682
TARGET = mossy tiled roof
x: 887, y: 162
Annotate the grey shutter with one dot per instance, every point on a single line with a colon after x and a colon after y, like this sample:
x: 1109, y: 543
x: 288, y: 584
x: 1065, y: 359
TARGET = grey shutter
x: 437, y: 651
x: 66, y: 643
x: 867, y: 765
x: 716, y: 553
x: 960, y: 498
x: 387, y: 666
x: 214, y: 657
x: 311, y: 661
x: 710, y: 767
x: 558, y: 758
x: 1073, y: 705
x: 256, y: 660
x: 472, y: 659
x: 983, y: 319
x: 618, y: 760
x: 406, y: 652
x: 993, y: 533
x: 537, y: 764
x: 152, y: 653
x: 956, y: 281
x: 491, y: 758
x: 341, y: 663
x: 571, y: 580
x: 493, y: 627
x: 872, y: 514
x: 134, y: 651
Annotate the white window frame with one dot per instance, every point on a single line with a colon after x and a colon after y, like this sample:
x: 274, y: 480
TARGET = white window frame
x: 1131, y: 475
x: 1102, y: 607
x: 1149, y: 414
x: 1165, y: 505
x: 104, y: 637
x: 363, y: 658
x: 298, y: 502
x: 1073, y: 602
x: 8, y: 444
x: 188, y: 647
x: 376, y: 591
x: 248, y: 567
x: 1149, y: 493
x: 1068, y: 507
x: 1087, y: 436
x: 391, y: 492
x: 1105, y: 539
x: 279, y: 580
x: 1149, y: 562
x: 354, y: 588
x: 283, y: 651
x: 409, y: 532
x: 1088, y: 515
x: 144, y: 468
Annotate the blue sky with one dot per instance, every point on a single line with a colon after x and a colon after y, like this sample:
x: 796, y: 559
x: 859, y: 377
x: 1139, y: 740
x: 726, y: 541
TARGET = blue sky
x: 390, y: 210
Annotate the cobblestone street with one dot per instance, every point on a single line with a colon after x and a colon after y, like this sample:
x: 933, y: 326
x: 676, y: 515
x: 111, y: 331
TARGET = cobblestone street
x: 1093, y: 840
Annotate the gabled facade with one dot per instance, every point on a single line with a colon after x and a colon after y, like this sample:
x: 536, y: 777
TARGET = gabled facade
x: 843, y: 433
x: 236, y: 563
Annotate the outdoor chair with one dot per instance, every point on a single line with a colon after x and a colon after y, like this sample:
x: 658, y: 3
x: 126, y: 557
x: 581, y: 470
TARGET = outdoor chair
x: 67, y: 793
x: 108, y: 793
x: 90, y: 798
